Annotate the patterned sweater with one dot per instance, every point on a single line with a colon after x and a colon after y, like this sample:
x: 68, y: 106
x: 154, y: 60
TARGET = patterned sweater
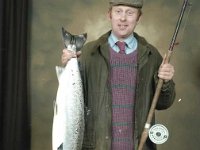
x: 123, y: 81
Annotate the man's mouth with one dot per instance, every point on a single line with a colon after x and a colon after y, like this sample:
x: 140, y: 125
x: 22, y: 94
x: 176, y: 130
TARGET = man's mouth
x: 122, y: 27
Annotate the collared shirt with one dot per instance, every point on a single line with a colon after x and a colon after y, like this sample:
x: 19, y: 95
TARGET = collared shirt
x: 131, y: 43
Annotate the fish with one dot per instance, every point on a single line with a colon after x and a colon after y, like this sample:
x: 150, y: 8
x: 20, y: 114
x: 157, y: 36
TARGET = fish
x: 68, y: 119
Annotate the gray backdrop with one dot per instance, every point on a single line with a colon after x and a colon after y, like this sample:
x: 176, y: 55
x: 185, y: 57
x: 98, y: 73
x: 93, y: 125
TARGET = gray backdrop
x: 157, y: 25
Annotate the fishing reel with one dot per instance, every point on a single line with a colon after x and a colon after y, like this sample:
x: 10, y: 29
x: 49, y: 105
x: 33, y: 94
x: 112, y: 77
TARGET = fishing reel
x: 158, y: 134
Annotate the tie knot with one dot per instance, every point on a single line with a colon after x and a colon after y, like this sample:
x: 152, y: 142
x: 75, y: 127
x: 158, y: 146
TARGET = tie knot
x: 121, y: 46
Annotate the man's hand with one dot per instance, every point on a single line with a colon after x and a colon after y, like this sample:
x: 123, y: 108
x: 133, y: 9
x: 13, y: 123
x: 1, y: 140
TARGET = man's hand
x: 67, y: 55
x: 166, y: 71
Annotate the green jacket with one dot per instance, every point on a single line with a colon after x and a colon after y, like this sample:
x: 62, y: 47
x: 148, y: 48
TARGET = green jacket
x: 95, y: 68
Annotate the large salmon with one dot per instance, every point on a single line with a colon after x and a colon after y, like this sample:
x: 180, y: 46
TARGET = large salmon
x: 68, y: 121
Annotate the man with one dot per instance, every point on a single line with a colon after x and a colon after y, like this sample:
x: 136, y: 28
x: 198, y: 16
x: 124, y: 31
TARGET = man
x: 119, y: 83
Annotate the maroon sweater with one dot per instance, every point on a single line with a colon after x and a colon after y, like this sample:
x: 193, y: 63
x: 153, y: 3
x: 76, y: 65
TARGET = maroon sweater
x: 123, y: 81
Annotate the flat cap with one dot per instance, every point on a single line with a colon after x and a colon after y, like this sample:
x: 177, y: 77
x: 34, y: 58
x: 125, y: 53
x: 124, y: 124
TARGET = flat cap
x: 133, y: 3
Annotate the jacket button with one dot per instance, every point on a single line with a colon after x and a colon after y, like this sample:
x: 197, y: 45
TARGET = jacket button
x: 107, y: 108
x: 107, y: 137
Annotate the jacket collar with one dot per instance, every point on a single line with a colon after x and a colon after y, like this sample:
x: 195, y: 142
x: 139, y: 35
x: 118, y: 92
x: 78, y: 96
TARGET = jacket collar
x: 142, y: 46
x: 103, y: 46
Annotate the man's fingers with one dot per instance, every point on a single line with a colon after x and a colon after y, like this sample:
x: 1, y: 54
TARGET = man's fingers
x: 78, y: 53
x: 166, y: 72
x: 67, y: 55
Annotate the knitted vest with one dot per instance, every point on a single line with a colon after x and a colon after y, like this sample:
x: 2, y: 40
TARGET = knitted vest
x: 123, y: 81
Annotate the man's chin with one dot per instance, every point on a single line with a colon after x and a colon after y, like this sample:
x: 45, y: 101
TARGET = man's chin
x: 123, y: 35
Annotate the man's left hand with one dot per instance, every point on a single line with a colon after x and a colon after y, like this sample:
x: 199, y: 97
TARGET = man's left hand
x: 166, y: 71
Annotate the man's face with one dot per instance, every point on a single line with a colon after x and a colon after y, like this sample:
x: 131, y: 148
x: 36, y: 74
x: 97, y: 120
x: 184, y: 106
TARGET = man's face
x: 123, y: 20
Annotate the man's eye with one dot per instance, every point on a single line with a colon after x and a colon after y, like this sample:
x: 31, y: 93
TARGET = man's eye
x: 130, y: 13
x: 118, y: 11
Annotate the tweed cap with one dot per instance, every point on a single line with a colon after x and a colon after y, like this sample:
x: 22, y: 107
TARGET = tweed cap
x: 133, y: 3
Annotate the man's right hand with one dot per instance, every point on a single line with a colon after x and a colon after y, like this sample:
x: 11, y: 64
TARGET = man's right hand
x: 67, y: 55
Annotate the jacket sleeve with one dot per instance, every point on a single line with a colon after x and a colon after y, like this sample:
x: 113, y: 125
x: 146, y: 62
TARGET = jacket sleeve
x: 167, y: 94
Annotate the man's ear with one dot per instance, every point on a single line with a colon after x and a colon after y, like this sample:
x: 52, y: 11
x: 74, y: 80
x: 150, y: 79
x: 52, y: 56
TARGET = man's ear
x: 109, y: 15
x: 138, y: 19
x: 139, y: 16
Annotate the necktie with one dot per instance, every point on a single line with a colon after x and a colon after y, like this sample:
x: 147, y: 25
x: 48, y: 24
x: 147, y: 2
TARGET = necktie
x: 121, y: 46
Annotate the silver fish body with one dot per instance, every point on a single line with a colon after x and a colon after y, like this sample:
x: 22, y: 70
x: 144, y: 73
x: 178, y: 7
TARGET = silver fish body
x: 68, y: 121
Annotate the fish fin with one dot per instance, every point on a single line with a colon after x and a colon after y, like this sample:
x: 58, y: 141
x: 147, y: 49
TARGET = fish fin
x: 59, y: 71
x: 55, y: 107
x: 60, y: 147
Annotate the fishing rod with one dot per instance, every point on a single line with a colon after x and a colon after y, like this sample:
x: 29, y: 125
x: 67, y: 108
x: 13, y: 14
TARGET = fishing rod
x: 145, y: 132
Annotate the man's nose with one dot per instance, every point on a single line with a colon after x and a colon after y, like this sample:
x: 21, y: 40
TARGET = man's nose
x: 123, y: 16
